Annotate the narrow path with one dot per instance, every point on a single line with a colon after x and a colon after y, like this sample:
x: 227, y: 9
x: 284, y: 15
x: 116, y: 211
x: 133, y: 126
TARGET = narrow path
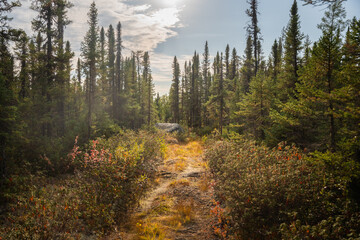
x: 178, y: 208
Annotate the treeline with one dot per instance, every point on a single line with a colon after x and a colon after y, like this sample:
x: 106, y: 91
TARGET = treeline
x: 45, y: 103
x: 304, y: 93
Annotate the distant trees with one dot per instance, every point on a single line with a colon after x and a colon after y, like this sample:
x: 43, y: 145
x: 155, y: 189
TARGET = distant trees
x: 299, y: 95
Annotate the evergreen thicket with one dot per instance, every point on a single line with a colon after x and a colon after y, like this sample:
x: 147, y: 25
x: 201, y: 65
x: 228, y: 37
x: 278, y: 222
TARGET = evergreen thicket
x: 46, y: 102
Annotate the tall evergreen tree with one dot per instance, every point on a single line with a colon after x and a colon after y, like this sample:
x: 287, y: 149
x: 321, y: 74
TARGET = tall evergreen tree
x: 118, y: 74
x: 206, y: 76
x: 111, y: 70
x: 61, y: 7
x: 351, y: 81
x: 147, y: 89
x: 254, y: 31
x: 321, y: 96
x: 22, y: 54
x: 90, y: 54
x: 255, y: 107
x: 7, y: 97
x: 103, y: 75
x: 276, y: 59
x: 174, y: 91
x: 44, y: 24
x: 195, y: 93
x: 247, y: 69
x: 227, y: 62
x: 293, y: 46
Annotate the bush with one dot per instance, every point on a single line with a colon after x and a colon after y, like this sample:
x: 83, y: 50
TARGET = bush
x: 270, y: 193
x: 110, y: 176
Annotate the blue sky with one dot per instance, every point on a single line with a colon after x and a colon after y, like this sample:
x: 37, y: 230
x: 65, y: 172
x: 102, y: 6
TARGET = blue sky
x: 179, y: 27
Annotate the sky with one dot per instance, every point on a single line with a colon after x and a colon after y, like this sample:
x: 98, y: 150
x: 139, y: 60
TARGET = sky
x: 168, y: 28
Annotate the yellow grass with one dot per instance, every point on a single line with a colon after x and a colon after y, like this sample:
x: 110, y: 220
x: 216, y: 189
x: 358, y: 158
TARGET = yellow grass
x: 191, y: 149
x: 181, y: 182
x: 183, y: 214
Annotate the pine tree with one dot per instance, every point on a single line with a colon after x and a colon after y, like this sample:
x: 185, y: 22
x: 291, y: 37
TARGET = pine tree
x: 147, y: 89
x: 227, y: 62
x: 118, y: 75
x: 307, y: 51
x: 255, y: 107
x: 206, y: 76
x: 195, y: 93
x: 351, y: 86
x: 275, y: 60
x: 90, y: 54
x: 174, y: 96
x: 247, y: 70
x: 22, y: 55
x: 321, y: 96
x: 293, y: 46
x: 111, y: 70
x: 103, y: 75
x: 44, y: 24
x: 7, y: 98
x: 62, y: 82
x: 216, y: 104
x: 254, y: 31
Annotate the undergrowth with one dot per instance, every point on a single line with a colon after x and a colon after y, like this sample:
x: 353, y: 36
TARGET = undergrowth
x: 109, y: 177
x: 278, y: 193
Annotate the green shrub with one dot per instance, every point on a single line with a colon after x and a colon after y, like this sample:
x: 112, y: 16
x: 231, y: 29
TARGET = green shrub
x: 267, y: 193
x: 110, y: 176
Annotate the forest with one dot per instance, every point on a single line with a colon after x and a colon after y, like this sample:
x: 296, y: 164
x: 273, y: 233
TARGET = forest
x: 79, y: 148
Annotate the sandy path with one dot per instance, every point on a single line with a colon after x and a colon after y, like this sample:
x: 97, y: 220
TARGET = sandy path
x: 179, y: 206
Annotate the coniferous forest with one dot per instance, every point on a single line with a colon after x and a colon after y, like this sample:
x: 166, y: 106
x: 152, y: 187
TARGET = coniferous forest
x: 79, y: 148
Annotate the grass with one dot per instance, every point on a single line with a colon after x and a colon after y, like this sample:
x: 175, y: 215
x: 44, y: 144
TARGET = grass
x: 183, y: 214
x: 180, y: 164
x: 150, y: 231
x: 191, y: 149
x: 181, y: 182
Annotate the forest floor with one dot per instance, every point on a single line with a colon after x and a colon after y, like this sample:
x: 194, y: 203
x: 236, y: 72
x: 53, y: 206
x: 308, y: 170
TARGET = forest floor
x: 178, y: 207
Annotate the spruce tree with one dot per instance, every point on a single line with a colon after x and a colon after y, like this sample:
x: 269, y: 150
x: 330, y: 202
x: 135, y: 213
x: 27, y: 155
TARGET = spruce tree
x: 247, y: 70
x: 90, y: 54
x: 174, y: 97
x: 44, y: 24
x: 293, y: 46
x: 254, y: 31
x: 118, y: 87
x: 111, y: 70
x: 103, y: 75
x: 206, y: 76
x: 22, y: 54
x: 8, y: 107
x: 227, y: 62
x: 322, y: 95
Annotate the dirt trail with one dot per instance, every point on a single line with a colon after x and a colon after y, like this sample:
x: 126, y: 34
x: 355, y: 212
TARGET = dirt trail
x: 178, y: 207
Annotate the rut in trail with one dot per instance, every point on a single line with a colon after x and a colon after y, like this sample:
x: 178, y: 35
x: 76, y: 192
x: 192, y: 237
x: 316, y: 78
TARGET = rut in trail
x: 178, y: 208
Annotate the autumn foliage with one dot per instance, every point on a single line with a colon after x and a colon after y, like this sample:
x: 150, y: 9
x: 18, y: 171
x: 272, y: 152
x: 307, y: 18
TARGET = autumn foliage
x: 278, y: 194
x: 110, y: 176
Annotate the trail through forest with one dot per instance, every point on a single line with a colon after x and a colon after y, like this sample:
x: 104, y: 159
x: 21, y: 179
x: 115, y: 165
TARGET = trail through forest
x: 179, y: 205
